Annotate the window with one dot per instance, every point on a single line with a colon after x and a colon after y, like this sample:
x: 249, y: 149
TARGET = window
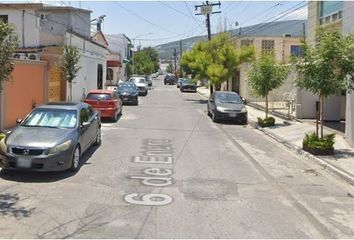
x: 268, y: 46
x: 109, y: 74
x: 295, y: 50
x: 246, y: 42
x: 84, y: 115
x: 330, y: 11
x: 4, y: 18
x: 330, y: 7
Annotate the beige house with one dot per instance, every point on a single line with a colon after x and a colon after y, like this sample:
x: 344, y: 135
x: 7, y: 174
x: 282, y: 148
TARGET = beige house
x: 284, y: 47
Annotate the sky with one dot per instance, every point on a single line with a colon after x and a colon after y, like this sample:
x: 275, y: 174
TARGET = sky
x: 155, y: 22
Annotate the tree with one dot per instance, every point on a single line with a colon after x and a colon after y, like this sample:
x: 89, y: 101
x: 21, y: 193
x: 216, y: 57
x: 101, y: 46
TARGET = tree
x: 216, y: 60
x: 70, y: 66
x: 145, y: 62
x: 265, y: 75
x: 327, y: 68
x: 8, y: 44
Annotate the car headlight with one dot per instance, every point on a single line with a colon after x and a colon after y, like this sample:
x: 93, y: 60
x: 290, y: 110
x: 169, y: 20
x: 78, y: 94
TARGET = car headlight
x: 244, y: 110
x: 60, y: 148
x: 220, y: 109
x: 3, y: 146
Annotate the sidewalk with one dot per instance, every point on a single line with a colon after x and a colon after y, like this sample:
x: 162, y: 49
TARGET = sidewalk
x: 291, y: 133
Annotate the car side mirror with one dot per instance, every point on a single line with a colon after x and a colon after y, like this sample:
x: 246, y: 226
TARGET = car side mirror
x: 211, y: 100
x: 85, y: 124
x: 243, y: 100
x: 19, y: 121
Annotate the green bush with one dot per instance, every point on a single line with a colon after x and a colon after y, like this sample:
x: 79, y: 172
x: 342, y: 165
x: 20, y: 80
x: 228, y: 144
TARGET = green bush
x: 314, y: 142
x: 267, y: 122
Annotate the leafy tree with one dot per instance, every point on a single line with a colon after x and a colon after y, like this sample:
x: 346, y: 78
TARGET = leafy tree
x: 153, y: 56
x: 8, y: 44
x: 216, y: 60
x: 144, y: 62
x: 327, y: 68
x: 265, y: 75
x: 70, y: 66
x: 169, y: 68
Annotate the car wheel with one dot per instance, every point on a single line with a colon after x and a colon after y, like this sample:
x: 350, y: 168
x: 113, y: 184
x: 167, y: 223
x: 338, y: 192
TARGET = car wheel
x: 209, y: 114
x: 98, y: 137
x: 214, y: 117
x: 75, y: 159
x: 115, y: 117
x: 146, y: 93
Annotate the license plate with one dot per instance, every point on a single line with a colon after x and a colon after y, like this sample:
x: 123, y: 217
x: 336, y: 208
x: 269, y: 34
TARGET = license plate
x: 232, y: 114
x: 24, y: 162
x: 125, y: 99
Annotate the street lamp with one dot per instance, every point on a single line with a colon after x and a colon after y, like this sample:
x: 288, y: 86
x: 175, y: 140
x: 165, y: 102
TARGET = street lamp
x: 149, y: 33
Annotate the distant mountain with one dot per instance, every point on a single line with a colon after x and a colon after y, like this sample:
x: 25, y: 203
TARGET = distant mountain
x: 292, y: 27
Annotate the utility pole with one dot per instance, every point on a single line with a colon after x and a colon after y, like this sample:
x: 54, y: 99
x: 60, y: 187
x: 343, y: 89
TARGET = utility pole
x: 180, y: 58
x: 175, y: 60
x: 207, y: 10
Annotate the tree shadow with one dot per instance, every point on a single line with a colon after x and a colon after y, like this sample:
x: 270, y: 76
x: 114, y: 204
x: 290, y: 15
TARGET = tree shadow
x: 45, y: 177
x: 197, y: 101
x: 8, y: 206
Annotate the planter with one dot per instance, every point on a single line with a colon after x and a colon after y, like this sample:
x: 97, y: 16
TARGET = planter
x: 318, y: 151
x: 267, y: 122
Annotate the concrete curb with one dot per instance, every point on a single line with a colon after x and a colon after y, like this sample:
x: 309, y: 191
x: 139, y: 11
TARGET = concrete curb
x: 322, y: 162
x: 297, y: 150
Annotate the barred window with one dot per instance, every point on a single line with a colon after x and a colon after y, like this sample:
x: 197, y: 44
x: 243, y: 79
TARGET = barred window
x: 268, y: 46
x: 4, y: 18
x: 246, y: 42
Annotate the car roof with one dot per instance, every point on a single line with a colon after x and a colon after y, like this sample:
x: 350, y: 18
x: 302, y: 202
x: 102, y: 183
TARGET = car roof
x: 227, y: 92
x: 62, y: 105
x: 101, y: 91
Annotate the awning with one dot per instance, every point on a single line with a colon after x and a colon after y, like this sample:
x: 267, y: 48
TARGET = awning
x: 113, y: 63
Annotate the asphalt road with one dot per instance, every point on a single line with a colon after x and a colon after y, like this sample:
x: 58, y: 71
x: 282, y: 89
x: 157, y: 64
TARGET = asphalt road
x: 165, y: 170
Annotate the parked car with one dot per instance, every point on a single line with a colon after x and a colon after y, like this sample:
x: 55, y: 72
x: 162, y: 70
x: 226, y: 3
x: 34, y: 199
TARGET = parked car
x: 188, y: 85
x: 179, y: 82
x: 128, y: 93
x: 53, y: 137
x: 148, y: 80
x: 141, y: 83
x: 154, y: 75
x: 228, y: 106
x: 106, y: 102
x: 170, y: 79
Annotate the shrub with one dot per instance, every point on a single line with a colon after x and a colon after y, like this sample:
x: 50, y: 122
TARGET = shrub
x: 312, y: 141
x: 267, y: 122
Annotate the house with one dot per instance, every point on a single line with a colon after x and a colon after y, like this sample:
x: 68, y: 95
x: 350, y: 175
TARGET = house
x: 44, y: 29
x: 119, y: 46
x: 283, y: 39
x: 335, y: 15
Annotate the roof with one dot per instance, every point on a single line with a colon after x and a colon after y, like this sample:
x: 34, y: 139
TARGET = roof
x: 102, y: 91
x: 41, y: 6
x: 102, y: 35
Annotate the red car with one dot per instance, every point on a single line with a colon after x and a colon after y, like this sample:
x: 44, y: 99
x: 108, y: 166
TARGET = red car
x: 106, y: 102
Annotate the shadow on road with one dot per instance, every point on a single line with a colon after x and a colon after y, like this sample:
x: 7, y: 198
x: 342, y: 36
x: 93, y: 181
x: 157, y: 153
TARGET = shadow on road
x: 197, y: 101
x: 42, y: 177
x: 8, y: 206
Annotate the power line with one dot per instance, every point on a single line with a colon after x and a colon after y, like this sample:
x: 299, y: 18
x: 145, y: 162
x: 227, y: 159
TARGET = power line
x: 144, y: 19
x: 185, y: 3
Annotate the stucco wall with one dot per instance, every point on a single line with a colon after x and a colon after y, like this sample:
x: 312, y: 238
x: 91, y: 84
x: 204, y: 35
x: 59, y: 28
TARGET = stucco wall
x: 26, y: 26
x: 91, y: 55
x: 27, y: 86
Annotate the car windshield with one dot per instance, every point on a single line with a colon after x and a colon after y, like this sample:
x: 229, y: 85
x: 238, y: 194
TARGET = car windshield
x: 228, y: 98
x: 53, y: 118
x: 138, y: 80
x: 187, y: 81
x: 101, y: 96
x: 127, y: 87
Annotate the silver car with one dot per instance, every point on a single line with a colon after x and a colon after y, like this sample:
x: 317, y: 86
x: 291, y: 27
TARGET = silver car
x: 52, y: 137
x: 141, y: 84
